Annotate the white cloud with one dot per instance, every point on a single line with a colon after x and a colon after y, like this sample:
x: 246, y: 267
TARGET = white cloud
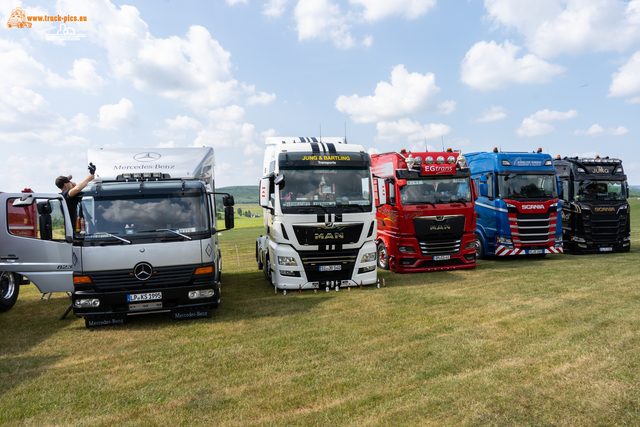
x: 553, y: 27
x: 116, y: 116
x: 253, y: 150
x: 410, y: 130
x: 83, y: 76
x: 538, y: 123
x: 168, y: 144
x: 492, y: 114
x: 447, y: 107
x: 227, y: 134
x: 234, y: 2
x: 182, y: 122
x: 321, y: 19
x: 375, y: 10
x: 596, y: 130
x: 488, y: 66
x: 261, y: 98
x: 407, y: 94
x: 626, y: 82
x: 274, y: 8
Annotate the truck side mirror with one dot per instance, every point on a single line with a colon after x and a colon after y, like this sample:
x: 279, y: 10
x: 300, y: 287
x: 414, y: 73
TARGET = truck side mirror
x: 559, y: 185
x: 483, y: 188
x: 401, y: 182
x: 44, y: 220
x: 279, y: 181
x: 264, y: 192
x: 382, y: 192
x: 24, y: 201
x: 228, y: 217
x: 228, y: 201
x: 474, y: 190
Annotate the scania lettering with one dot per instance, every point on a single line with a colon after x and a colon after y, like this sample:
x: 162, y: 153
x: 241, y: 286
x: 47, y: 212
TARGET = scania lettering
x: 517, y: 212
x: 319, y: 215
x: 143, y: 242
x: 595, y: 210
x: 426, y: 218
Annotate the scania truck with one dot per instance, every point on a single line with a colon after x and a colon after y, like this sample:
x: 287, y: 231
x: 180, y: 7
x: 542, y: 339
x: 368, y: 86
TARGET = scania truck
x: 595, y: 211
x: 146, y: 238
x: 319, y: 214
x: 517, y: 211
x: 429, y: 221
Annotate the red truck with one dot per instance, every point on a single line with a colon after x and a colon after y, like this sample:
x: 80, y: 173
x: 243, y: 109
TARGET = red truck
x: 429, y: 219
x: 21, y: 222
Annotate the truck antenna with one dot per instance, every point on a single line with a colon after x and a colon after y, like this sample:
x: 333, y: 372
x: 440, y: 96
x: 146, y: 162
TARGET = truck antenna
x: 320, y: 133
x: 426, y: 145
x: 442, y: 136
x: 345, y: 132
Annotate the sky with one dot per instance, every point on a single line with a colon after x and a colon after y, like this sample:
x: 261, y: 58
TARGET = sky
x: 561, y: 75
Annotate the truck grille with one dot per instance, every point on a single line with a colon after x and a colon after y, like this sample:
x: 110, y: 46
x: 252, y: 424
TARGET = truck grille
x: 437, y: 247
x: 605, y: 229
x: 533, y: 228
x: 124, y: 280
x: 314, y: 260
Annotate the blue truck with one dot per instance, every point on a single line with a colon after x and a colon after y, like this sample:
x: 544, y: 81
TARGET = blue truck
x: 517, y: 212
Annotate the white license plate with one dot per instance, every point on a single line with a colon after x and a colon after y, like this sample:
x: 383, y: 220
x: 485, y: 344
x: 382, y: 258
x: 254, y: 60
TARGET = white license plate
x: 330, y: 267
x: 144, y: 297
x: 536, y: 251
x: 441, y: 257
x: 606, y: 249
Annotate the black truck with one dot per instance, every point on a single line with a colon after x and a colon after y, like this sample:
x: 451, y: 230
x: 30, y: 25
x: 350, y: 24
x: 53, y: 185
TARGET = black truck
x: 595, y: 211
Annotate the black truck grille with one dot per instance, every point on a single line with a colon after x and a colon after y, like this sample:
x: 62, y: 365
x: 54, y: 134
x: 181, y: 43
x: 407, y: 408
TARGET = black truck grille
x: 312, y: 263
x: 437, y: 247
x: 605, y: 229
x: 162, y: 277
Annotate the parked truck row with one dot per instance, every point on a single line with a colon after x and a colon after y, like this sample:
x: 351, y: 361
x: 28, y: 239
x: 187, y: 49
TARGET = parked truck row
x: 146, y: 238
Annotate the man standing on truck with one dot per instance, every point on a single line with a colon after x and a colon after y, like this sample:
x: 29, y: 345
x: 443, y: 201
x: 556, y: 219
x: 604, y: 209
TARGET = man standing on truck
x: 70, y: 191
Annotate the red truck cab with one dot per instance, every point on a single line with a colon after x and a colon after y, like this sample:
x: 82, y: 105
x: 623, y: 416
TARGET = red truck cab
x: 428, y: 220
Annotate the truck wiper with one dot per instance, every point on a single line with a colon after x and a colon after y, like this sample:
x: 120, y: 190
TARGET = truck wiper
x: 165, y: 229
x: 99, y: 235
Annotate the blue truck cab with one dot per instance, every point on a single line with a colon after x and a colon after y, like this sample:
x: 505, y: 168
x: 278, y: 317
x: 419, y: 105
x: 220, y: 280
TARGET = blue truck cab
x: 517, y: 212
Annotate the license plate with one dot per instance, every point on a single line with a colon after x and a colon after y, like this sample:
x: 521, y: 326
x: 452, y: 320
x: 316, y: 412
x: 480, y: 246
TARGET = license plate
x: 441, y: 257
x: 536, y: 251
x: 144, y: 297
x: 330, y: 267
x: 606, y: 249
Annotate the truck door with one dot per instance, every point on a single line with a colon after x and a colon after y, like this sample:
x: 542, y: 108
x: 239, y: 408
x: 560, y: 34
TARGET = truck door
x: 45, y: 257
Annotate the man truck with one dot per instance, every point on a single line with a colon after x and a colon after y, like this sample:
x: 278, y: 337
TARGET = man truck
x: 429, y: 221
x: 595, y: 211
x: 146, y: 238
x: 517, y: 211
x: 319, y: 214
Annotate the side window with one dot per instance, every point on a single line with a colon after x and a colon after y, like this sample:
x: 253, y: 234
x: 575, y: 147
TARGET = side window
x: 27, y: 221
x: 490, y: 192
x: 565, y: 190
x: 57, y: 220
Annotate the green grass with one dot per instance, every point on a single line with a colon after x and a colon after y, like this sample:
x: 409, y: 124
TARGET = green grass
x: 525, y: 342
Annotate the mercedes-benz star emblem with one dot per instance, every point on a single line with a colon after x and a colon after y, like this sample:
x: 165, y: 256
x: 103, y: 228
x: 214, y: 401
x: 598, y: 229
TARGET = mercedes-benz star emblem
x: 143, y: 271
x: 146, y: 156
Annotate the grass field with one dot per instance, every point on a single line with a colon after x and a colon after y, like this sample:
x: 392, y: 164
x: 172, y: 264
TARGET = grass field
x: 515, y: 342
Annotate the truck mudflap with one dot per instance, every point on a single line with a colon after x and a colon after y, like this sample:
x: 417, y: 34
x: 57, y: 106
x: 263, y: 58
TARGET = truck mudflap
x: 502, y: 250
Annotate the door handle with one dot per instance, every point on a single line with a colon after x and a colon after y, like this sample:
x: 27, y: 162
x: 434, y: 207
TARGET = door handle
x: 9, y: 257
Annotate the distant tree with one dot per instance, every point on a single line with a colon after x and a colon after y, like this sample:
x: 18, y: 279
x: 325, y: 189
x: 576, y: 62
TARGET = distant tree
x: 239, y: 212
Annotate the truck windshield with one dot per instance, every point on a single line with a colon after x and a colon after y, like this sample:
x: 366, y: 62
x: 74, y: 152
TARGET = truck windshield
x: 137, y: 216
x: 600, y: 190
x: 325, y: 188
x: 435, y: 190
x: 514, y: 186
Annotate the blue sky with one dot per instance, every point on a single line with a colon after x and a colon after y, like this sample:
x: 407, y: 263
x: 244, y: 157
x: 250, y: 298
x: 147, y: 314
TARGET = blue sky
x: 563, y: 75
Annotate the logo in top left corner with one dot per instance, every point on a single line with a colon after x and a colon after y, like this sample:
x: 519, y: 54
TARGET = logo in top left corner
x: 147, y: 156
x: 18, y: 19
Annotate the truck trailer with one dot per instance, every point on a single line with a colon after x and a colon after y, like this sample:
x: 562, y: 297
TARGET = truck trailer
x: 319, y: 215
x: 517, y: 211
x: 595, y: 211
x: 146, y: 238
x: 429, y: 221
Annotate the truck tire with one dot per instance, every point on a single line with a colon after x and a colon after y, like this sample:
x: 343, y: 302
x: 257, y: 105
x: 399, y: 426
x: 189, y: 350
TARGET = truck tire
x: 383, y: 256
x: 480, y: 252
x: 266, y: 268
x: 9, y: 290
x: 258, y: 258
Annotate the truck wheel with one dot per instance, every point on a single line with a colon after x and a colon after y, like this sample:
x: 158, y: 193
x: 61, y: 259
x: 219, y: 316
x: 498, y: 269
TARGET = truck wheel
x: 480, y: 254
x: 266, y: 268
x: 9, y: 290
x: 258, y: 259
x: 383, y: 256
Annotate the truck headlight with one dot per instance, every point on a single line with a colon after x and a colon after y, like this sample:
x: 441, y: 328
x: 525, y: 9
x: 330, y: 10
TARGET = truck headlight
x: 577, y: 239
x: 470, y: 245
x: 504, y: 241
x: 558, y: 239
x: 86, y: 303
x: 371, y: 256
x: 287, y: 260
x: 204, y: 293
x: 290, y: 273
x: 406, y: 249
